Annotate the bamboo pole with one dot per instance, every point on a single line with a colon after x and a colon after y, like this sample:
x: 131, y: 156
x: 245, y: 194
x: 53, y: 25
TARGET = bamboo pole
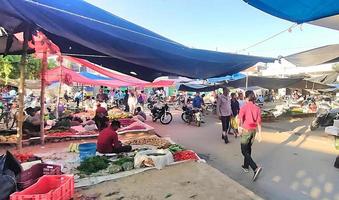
x: 59, y: 92
x: 23, y: 64
x: 42, y: 96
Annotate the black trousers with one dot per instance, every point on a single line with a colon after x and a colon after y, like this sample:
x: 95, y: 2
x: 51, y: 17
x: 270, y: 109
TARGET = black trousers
x: 246, y: 150
x: 126, y: 148
x: 225, y: 122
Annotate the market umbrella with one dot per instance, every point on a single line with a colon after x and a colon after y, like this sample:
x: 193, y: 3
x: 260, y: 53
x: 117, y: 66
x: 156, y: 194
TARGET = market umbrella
x: 317, y: 12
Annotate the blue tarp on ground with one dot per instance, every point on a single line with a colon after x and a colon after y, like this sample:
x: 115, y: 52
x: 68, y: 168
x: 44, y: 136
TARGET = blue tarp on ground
x: 94, y: 76
x: 81, y: 28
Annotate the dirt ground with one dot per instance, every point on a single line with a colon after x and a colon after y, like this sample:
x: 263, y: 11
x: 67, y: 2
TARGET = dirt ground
x: 297, y: 163
x: 191, y: 180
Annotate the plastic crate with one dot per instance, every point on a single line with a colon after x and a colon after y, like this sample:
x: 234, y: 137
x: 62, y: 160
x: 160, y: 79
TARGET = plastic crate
x: 32, y: 175
x: 48, y: 187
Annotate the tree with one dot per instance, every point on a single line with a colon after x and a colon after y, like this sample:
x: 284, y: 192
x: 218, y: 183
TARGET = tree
x: 6, y: 68
x: 9, y: 67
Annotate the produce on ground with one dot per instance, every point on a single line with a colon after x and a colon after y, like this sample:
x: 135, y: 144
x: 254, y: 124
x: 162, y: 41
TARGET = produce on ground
x: 185, y: 155
x: 176, y: 148
x: 113, y: 169
x: 8, y: 139
x: 93, y: 164
x: 123, y: 160
x: 154, y: 140
x: 118, y: 114
x: 127, y: 166
x: 25, y: 157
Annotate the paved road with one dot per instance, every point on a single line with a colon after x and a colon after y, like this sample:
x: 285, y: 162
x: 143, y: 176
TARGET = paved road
x: 297, y: 164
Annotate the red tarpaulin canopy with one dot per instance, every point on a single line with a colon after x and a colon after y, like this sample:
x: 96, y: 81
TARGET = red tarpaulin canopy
x: 111, y: 73
x: 68, y: 77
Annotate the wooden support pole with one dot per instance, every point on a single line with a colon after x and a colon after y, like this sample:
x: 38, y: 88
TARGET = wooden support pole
x: 42, y: 96
x: 23, y: 64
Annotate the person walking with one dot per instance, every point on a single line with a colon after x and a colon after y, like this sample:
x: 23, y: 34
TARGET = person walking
x: 235, y: 111
x: 132, y: 102
x: 249, y: 120
x: 125, y: 101
x: 224, y: 112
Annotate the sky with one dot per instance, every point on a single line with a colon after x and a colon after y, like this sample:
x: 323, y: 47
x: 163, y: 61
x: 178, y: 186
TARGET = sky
x: 222, y: 25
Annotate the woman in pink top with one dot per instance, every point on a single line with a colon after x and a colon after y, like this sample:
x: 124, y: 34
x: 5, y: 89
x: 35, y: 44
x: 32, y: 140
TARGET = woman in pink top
x: 249, y: 120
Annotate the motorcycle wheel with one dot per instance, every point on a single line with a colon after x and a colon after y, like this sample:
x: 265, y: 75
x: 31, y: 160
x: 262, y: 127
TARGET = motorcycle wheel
x: 166, y: 118
x: 314, y: 125
x: 184, y: 117
x: 149, y: 106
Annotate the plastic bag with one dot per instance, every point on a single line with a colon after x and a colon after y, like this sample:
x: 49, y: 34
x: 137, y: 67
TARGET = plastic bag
x: 153, y: 158
x: 234, y: 122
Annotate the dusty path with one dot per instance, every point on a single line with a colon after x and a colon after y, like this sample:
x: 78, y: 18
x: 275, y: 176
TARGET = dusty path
x: 192, y: 180
x: 296, y: 166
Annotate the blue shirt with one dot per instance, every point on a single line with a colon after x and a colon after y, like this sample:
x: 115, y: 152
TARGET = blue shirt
x: 197, y: 102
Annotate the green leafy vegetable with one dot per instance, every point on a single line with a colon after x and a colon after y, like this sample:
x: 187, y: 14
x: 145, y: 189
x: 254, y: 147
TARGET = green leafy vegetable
x: 93, y: 164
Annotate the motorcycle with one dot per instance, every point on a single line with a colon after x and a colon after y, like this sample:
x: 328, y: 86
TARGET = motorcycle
x: 162, y: 113
x: 325, y: 117
x: 190, y: 115
x: 151, y: 101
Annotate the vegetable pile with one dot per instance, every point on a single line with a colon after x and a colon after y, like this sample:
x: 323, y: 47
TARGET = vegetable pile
x: 93, y: 164
x: 155, y: 141
x: 175, y: 148
x: 185, y: 155
x: 25, y: 157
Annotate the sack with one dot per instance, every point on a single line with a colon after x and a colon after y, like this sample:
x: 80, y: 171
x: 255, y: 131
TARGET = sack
x: 234, y: 122
x: 336, y: 163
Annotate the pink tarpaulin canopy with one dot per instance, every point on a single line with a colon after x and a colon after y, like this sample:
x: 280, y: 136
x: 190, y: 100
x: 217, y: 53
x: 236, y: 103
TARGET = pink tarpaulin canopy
x: 161, y: 83
x: 111, y: 74
x: 68, y: 77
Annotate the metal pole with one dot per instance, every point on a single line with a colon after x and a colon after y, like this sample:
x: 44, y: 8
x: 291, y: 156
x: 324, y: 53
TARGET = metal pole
x: 42, y: 95
x: 23, y: 64
x: 246, y: 80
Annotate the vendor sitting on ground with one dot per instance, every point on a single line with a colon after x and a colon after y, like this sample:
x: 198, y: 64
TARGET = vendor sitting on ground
x: 31, y: 125
x: 108, y: 141
x: 101, y: 117
x: 140, y: 114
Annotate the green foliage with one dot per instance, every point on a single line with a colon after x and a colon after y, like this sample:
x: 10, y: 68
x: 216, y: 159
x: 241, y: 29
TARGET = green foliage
x: 5, y: 68
x: 9, y: 67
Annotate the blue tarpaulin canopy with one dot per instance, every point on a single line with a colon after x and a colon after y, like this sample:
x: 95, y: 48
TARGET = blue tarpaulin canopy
x: 94, y: 76
x: 318, y: 12
x: 198, y: 87
x: 85, y: 31
x: 227, y: 78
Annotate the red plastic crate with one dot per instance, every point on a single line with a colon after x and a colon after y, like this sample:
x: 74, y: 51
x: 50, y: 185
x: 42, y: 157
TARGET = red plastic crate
x: 48, y: 187
x: 32, y: 175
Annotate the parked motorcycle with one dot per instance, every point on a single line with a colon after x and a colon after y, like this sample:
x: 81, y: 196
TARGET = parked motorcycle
x: 162, y: 113
x: 190, y: 115
x: 325, y: 117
